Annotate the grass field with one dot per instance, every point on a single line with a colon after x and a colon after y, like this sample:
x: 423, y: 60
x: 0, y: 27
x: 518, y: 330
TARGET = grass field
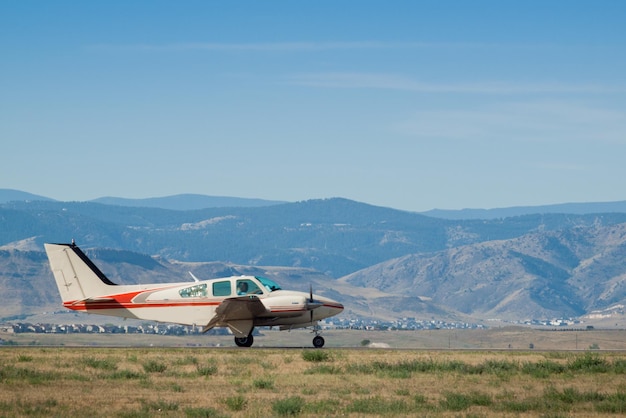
x: 261, y: 382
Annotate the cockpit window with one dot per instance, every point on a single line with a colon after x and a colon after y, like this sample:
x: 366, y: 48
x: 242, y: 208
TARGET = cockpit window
x: 248, y: 287
x: 268, y: 284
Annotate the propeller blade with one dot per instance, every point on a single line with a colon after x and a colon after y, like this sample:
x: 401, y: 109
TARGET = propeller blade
x: 311, y: 298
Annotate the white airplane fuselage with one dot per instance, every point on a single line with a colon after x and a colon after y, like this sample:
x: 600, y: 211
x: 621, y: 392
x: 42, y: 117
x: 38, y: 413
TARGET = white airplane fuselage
x: 238, y: 302
x: 164, y: 304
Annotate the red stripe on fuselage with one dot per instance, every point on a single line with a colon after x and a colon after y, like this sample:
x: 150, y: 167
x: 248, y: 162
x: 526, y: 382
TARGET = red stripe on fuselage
x: 95, y: 305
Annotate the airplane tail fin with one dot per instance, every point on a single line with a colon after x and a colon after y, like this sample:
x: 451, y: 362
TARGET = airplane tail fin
x: 77, y: 276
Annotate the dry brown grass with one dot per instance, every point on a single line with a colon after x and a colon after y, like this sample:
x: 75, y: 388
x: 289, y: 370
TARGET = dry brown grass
x: 137, y: 382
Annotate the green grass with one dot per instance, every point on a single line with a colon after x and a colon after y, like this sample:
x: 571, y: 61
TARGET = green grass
x: 154, y: 366
x: 586, y: 363
x: 263, y: 383
x: 236, y: 403
x: 203, y: 412
x: 31, y: 376
x: 206, y: 369
x: 589, y: 362
x: 102, y: 364
x: 288, y: 406
x: 316, y: 355
x: 272, y: 382
x: 455, y: 401
x: 379, y: 406
x: 24, y: 358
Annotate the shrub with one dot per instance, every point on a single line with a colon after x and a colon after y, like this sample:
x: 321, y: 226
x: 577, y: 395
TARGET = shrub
x: 543, y: 369
x: 589, y: 362
x: 186, y: 360
x: 324, y: 369
x: 613, y: 404
x: 325, y: 407
x: 288, y: 406
x: 159, y: 405
x: 22, y: 358
x: 263, y: 383
x: 154, y: 366
x: 103, y: 364
x: 236, y: 403
x: 125, y: 374
x: 206, y: 370
x: 619, y: 366
x: 379, y: 406
x: 316, y: 355
x: 202, y: 413
x: 460, y: 401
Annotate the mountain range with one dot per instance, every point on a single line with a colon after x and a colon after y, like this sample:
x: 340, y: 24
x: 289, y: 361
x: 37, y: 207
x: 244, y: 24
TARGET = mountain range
x: 197, y: 201
x: 380, y: 262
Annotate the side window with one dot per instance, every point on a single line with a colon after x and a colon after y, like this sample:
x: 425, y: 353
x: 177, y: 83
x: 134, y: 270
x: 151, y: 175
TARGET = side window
x: 247, y: 287
x: 193, y: 291
x: 221, y: 288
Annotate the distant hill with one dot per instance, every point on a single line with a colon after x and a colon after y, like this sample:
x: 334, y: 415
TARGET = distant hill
x: 175, y: 202
x: 564, y: 208
x: 334, y: 236
x: 10, y: 195
x: 187, y: 202
x: 198, y: 201
x: 381, y: 262
x: 549, y: 274
x: 541, y: 275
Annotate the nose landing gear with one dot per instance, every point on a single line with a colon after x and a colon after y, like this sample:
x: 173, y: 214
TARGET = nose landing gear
x: 318, y: 340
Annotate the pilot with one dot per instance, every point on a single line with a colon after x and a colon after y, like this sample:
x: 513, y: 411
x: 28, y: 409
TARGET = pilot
x: 242, y: 288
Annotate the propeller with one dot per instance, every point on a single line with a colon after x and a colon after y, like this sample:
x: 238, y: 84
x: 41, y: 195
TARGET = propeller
x: 311, y: 298
x: 312, y: 303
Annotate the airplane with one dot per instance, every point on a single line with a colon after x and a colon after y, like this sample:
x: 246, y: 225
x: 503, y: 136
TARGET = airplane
x: 239, y: 303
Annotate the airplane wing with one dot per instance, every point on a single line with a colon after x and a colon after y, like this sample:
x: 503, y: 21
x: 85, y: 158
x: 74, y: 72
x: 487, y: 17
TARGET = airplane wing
x: 237, y: 314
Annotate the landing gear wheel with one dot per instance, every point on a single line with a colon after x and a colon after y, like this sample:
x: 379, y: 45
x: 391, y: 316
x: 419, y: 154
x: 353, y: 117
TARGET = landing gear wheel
x: 318, y: 341
x: 244, y: 341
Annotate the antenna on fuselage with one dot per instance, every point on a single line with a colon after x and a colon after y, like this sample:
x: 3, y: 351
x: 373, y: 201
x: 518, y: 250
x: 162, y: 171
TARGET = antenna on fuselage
x: 195, y: 279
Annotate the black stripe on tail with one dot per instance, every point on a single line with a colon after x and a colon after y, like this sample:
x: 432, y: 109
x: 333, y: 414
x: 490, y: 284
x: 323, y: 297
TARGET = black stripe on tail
x: 91, y: 265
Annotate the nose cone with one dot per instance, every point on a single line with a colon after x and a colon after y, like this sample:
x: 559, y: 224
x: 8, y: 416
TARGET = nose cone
x: 329, y: 308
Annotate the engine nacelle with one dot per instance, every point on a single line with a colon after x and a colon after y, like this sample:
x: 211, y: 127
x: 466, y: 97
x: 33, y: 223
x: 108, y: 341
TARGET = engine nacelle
x: 286, y: 306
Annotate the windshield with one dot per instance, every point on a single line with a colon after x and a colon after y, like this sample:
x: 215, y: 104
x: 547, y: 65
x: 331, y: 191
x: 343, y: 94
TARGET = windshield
x: 269, y: 285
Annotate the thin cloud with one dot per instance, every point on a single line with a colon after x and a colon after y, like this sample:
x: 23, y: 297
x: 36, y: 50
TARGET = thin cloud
x: 561, y: 166
x: 521, y: 121
x: 290, y: 46
x: 396, y: 82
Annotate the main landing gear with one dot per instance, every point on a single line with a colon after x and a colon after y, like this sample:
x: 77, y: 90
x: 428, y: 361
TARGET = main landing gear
x: 245, y: 341
x: 318, y: 340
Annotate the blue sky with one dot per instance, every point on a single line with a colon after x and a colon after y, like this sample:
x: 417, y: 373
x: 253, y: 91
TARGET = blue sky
x: 406, y: 104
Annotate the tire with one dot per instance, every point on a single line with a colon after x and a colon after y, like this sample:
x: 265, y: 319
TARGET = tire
x: 244, y: 341
x: 318, y: 341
